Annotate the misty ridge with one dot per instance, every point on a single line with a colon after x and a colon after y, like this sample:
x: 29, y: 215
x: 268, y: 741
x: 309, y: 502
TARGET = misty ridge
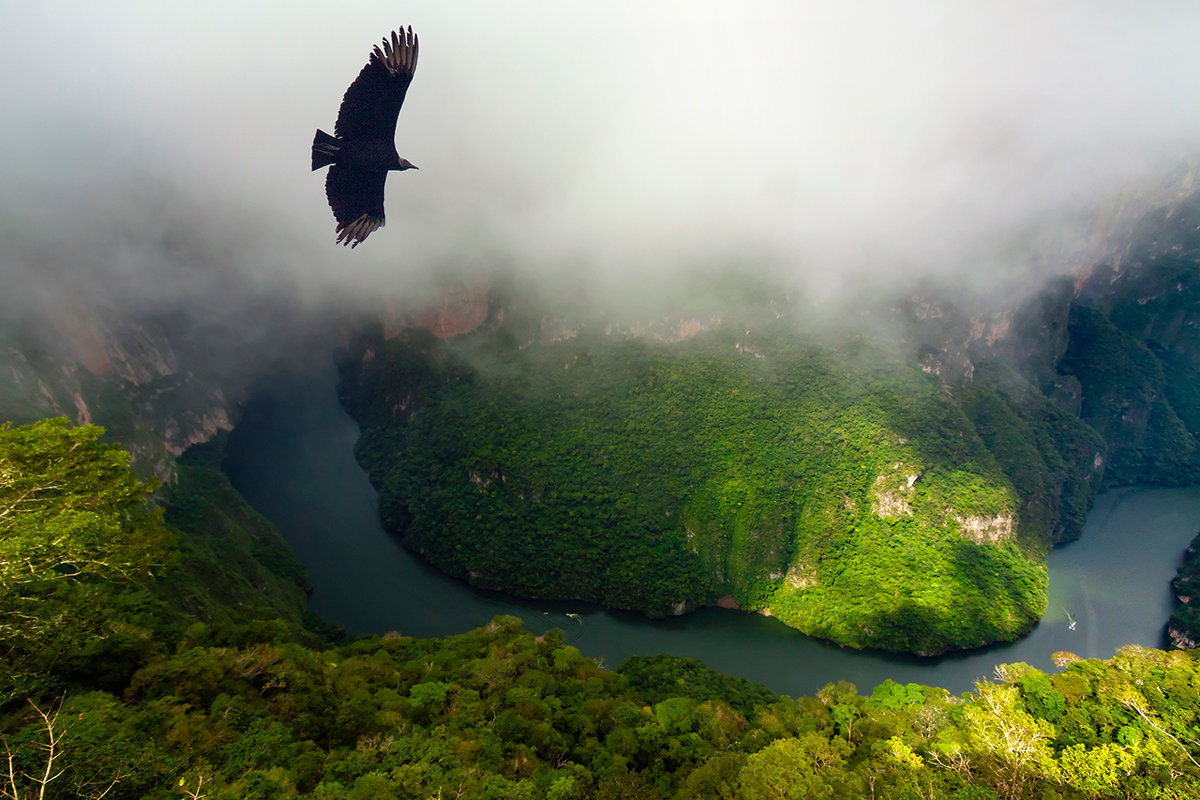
x: 616, y: 158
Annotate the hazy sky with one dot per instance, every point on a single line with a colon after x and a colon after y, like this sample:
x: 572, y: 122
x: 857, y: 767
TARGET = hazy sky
x: 615, y: 142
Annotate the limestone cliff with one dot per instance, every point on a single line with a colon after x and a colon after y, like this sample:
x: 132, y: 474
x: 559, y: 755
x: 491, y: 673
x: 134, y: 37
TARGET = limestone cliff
x: 112, y: 370
x: 1115, y: 345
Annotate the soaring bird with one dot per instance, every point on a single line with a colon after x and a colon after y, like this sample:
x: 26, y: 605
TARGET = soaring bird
x: 363, y: 148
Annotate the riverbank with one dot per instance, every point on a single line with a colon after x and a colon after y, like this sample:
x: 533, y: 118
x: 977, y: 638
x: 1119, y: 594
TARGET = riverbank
x: 292, y: 458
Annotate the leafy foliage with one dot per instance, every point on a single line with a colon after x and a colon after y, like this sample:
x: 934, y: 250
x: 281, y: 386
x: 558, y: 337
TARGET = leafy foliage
x: 77, y: 545
x: 70, y: 509
x: 256, y: 712
x: 833, y: 492
x: 94, y: 579
x: 499, y: 713
x: 664, y: 676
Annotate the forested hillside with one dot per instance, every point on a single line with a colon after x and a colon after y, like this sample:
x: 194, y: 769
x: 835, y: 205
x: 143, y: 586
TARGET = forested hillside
x: 498, y: 713
x: 853, y: 500
x: 891, y: 480
x: 94, y: 578
x: 164, y: 656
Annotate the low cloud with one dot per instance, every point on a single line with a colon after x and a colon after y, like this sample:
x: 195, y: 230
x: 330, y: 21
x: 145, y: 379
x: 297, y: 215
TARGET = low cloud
x: 162, y: 149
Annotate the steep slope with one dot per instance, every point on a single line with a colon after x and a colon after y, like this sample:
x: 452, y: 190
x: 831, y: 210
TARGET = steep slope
x: 102, y: 366
x: 1183, y: 629
x: 851, y: 498
x: 121, y: 710
x: 898, y: 496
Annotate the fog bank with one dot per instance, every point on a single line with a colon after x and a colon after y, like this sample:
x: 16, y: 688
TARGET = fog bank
x: 159, y: 152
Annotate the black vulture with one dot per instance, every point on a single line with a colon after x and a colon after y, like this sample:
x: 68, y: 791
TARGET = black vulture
x: 363, y: 146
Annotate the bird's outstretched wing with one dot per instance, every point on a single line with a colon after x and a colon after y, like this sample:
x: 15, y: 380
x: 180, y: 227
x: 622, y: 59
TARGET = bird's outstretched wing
x: 356, y: 197
x: 372, y: 103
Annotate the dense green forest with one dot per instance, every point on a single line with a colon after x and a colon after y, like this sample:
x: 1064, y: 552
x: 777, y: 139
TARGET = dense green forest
x: 94, y: 577
x: 155, y: 641
x: 849, y: 495
x: 895, y: 485
x: 139, y: 667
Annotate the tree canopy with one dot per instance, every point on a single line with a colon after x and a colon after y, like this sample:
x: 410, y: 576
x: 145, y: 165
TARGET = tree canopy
x: 75, y: 533
x: 71, y: 509
x: 153, y: 711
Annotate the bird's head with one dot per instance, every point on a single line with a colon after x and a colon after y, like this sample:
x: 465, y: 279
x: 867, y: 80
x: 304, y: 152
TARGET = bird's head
x: 402, y: 164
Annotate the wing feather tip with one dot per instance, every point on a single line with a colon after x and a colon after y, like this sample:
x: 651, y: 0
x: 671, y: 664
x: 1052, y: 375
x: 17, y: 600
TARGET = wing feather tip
x: 357, y: 230
x: 398, y: 54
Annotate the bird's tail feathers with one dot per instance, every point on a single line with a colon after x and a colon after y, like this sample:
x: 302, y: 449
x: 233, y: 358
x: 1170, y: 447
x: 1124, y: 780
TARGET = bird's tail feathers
x: 325, y: 150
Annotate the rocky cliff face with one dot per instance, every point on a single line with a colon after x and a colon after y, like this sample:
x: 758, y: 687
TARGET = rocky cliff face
x: 1116, y: 345
x: 111, y: 370
x: 1183, y: 629
x: 162, y: 379
x: 1134, y: 347
x: 159, y: 377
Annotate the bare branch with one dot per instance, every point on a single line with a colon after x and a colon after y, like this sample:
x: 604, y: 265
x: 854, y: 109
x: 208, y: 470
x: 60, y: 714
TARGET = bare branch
x: 53, y: 739
x: 115, y: 781
x: 11, y: 777
x: 1131, y: 703
x: 21, y: 785
x: 193, y: 794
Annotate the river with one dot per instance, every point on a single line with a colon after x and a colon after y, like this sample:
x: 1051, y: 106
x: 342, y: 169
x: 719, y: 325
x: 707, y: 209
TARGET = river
x: 292, y: 458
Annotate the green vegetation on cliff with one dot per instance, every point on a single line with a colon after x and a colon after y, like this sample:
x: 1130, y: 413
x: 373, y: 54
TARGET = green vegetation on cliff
x: 825, y: 480
x: 1135, y: 348
x: 246, y: 707
x: 498, y: 713
x: 1124, y: 400
x: 1048, y: 454
x: 848, y: 495
x: 1183, y: 629
x: 93, y: 579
